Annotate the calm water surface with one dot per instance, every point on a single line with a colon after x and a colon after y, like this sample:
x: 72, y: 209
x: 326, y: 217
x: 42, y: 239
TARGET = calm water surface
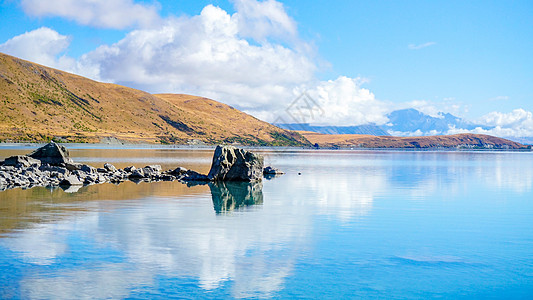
x: 354, y: 224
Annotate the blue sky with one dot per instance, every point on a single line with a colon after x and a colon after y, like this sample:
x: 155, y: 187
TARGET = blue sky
x: 358, y: 59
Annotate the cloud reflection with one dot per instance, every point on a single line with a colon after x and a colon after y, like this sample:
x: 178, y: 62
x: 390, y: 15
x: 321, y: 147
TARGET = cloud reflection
x: 253, y: 249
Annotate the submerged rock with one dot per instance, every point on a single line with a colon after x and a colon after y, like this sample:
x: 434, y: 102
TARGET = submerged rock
x: 233, y: 164
x: 52, y: 154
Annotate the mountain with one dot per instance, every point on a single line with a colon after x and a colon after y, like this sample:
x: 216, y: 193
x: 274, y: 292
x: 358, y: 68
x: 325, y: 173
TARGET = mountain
x: 401, y: 122
x: 411, y: 121
x: 361, y: 129
x: 38, y: 103
x: 462, y: 141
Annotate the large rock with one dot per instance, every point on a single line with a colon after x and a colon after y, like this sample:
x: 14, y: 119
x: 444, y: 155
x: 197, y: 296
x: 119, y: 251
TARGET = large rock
x: 52, y: 154
x: 233, y: 164
x: 21, y: 161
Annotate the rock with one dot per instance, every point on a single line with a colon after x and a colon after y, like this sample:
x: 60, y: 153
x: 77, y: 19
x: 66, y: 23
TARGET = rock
x: 130, y: 169
x: 70, y: 180
x: 52, y: 153
x: 137, y: 173
x: 88, y: 169
x: 167, y: 177
x: 191, y: 175
x: 178, y: 171
x: 21, y: 161
x: 272, y: 171
x: 152, y: 171
x: 110, y: 168
x: 233, y: 164
x: 73, y: 166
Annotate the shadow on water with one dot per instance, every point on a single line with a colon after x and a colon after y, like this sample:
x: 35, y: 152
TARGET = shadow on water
x: 229, y: 195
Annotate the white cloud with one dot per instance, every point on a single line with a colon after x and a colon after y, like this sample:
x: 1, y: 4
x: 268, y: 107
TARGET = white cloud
x: 260, y: 20
x: 117, y: 14
x: 420, y: 46
x: 515, y: 124
x: 42, y: 46
x: 344, y: 102
x: 203, y: 55
x: 253, y: 60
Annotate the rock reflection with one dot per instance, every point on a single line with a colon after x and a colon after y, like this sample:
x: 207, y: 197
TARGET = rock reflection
x: 231, y: 195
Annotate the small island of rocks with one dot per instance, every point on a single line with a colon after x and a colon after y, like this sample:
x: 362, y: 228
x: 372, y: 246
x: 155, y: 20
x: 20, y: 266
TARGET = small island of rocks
x: 51, y: 166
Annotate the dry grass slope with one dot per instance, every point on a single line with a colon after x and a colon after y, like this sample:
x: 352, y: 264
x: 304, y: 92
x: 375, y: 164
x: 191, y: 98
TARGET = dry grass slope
x: 38, y: 103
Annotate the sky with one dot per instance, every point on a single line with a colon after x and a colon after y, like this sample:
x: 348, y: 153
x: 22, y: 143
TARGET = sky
x: 321, y: 62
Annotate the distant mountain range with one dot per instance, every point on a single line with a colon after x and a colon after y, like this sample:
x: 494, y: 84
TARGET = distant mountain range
x: 407, y: 121
x: 361, y: 129
x: 404, y: 122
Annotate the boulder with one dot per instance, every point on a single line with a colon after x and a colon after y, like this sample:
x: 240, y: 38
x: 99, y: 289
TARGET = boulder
x: 70, y: 180
x: 73, y: 166
x: 21, y: 161
x: 137, y: 173
x: 130, y: 169
x: 191, y: 175
x: 88, y: 169
x: 52, y: 154
x: 110, y: 168
x: 178, y: 171
x: 272, y: 171
x: 234, y: 164
x: 152, y: 171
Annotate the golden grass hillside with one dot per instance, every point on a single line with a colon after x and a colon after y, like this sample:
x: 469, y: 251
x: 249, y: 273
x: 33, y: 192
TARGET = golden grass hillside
x: 465, y: 140
x: 38, y: 103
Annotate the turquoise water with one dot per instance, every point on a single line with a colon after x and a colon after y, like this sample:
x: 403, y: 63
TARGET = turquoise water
x: 353, y: 224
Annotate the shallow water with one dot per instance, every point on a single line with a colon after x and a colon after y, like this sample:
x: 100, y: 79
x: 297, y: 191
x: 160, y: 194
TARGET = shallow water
x: 354, y: 224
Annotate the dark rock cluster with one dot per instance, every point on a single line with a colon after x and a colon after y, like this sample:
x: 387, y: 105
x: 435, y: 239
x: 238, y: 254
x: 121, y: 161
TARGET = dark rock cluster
x: 51, y: 165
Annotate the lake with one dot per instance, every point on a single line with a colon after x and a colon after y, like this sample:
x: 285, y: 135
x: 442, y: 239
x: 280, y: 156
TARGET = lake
x: 338, y: 224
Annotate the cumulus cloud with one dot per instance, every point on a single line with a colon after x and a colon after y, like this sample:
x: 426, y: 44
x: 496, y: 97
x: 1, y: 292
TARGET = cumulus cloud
x: 252, y: 59
x: 43, y: 46
x: 344, y: 102
x: 202, y: 55
x: 515, y: 124
x: 261, y: 20
x: 116, y: 14
x: 420, y: 46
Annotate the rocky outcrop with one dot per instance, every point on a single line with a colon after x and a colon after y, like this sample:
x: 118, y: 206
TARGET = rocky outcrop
x: 233, y: 164
x: 229, y: 164
x: 52, y: 154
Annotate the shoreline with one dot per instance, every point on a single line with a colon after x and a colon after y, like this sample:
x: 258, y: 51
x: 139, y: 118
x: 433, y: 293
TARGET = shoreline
x: 140, y: 146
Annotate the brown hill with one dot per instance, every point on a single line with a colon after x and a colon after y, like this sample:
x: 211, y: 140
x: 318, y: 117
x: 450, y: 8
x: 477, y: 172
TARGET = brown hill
x: 466, y: 140
x: 38, y: 103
